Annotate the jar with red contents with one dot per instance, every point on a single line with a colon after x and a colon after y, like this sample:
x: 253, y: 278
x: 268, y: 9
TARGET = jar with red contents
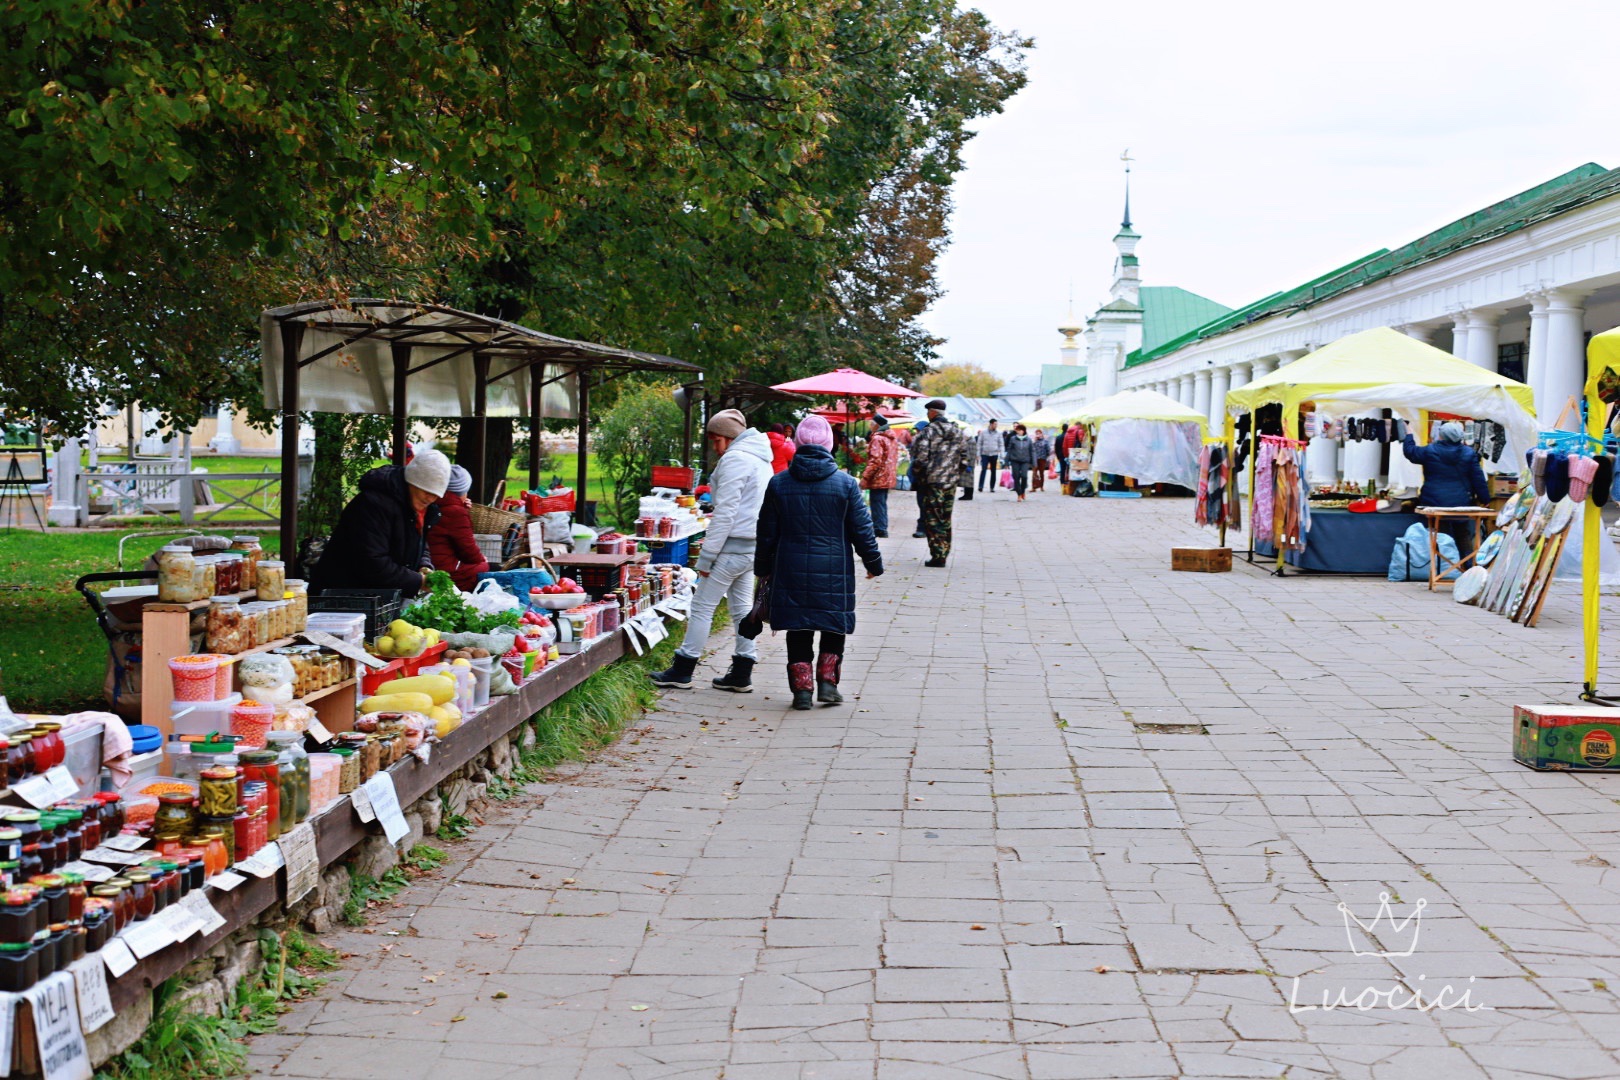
x: 77, y: 894
x: 54, y: 749
x: 89, y: 825
x: 141, y: 894
x: 261, y: 766
x: 20, y: 757
x: 245, y: 846
x: 116, y: 892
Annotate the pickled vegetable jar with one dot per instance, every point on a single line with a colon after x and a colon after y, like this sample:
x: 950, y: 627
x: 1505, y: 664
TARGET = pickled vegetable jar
x: 251, y: 554
x: 177, y: 568
x: 225, y: 625
x: 272, y: 579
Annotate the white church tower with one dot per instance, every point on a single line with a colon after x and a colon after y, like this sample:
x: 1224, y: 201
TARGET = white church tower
x: 1116, y: 329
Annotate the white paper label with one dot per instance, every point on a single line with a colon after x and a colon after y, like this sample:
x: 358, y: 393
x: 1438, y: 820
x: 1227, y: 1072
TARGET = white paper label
x: 226, y: 880
x: 146, y: 938
x: 362, y: 805
x: 116, y: 858
x: 36, y: 791
x: 264, y: 862
x: 95, y: 1004
x: 385, y: 801
x: 125, y: 842
x: 8, y: 1029
x: 318, y: 732
x: 117, y: 956
x: 338, y: 645
x: 181, y: 921
x: 303, y: 865
x: 57, y: 1032
x: 424, y: 753
x: 63, y: 786
x: 196, y: 903
x: 87, y: 871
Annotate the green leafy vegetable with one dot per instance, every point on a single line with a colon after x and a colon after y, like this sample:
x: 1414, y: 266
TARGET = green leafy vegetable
x: 445, y: 610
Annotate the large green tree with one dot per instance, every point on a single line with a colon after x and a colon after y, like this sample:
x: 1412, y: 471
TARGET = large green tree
x: 168, y: 169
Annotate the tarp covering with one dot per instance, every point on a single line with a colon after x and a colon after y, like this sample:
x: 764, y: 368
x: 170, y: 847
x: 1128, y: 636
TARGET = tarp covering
x: 1139, y: 405
x: 1379, y: 357
x: 1150, y: 451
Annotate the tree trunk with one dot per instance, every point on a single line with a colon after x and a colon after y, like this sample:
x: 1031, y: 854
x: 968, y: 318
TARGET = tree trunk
x: 324, y: 500
x: 497, y: 453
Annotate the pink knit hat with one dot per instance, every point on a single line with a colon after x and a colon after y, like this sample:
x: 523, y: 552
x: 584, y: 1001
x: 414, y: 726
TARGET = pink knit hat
x: 1581, y: 471
x: 814, y: 431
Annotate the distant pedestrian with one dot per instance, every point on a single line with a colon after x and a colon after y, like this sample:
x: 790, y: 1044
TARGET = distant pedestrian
x: 1062, y: 449
x: 911, y: 475
x: 1041, y: 446
x: 880, y: 474
x: 1020, y: 456
x: 781, y: 447
x: 812, y: 518
x: 989, y: 443
x: 938, y: 458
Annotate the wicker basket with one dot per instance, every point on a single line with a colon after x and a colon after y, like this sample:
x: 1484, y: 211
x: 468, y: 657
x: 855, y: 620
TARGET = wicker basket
x: 490, y: 544
x: 487, y: 519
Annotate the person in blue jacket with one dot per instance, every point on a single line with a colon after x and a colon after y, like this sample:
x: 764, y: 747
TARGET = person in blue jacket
x: 812, y: 518
x: 1452, y: 476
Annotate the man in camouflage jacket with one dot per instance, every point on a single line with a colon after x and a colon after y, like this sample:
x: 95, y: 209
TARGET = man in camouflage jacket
x: 939, y: 455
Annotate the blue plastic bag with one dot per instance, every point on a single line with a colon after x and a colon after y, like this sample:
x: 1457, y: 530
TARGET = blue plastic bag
x: 1409, y: 560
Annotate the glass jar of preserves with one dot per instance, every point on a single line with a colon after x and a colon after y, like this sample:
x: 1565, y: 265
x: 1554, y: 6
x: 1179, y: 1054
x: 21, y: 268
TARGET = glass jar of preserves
x: 260, y: 766
x: 176, y: 816
x: 228, y: 576
x: 140, y: 893
x: 216, y: 796
x: 97, y: 923
x: 53, y: 890
x: 112, y: 813
x: 76, y: 895
x: 299, y: 590
x: 219, y: 850
x: 117, y: 891
x: 177, y: 568
x: 349, y: 770
x: 272, y: 581
x: 293, y: 764
x: 49, y: 749
x: 251, y: 553
x: 20, y: 757
x: 225, y: 625
x: 72, y: 829
x: 19, y: 915
x: 204, y: 578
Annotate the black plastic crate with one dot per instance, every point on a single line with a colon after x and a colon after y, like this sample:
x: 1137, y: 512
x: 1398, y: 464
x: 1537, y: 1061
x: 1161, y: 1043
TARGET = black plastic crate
x: 379, y: 606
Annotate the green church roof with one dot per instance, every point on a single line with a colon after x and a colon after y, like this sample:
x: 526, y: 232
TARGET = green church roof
x: 1055, y: 377
x: 1169, y: 312
x: 1564, y: 193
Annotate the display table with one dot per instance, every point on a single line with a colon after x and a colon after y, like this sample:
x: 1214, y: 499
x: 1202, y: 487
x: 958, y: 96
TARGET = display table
x: 1340, y: 542
x: 1436, y: 516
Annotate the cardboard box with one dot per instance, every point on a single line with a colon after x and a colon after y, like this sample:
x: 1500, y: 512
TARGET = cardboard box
x: 1201, y: 560
x: 1575, y: 737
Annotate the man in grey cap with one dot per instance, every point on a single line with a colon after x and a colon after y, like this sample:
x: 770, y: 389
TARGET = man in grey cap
x: 939, y: 457
x: 726, y: 566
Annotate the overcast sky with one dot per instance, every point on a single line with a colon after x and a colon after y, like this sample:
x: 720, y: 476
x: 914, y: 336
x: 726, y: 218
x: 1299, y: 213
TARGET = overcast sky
x: 1273, y: 142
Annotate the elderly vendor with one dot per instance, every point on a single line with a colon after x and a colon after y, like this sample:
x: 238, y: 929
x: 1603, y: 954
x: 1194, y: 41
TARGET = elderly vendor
x: 379, y: 540
x: 1452, y: 476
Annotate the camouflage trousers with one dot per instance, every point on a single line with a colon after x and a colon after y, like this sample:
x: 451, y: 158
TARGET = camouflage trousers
x: 937, y: 502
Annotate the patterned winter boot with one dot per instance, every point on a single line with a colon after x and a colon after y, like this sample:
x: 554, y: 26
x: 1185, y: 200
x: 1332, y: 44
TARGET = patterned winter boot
x: 802, y: 681
x: 827, y: 666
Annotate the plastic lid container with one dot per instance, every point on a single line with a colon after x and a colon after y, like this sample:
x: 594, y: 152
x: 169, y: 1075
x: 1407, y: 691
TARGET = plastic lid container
x: 145, y: 738
x: 251, y: 721
x: 202, y: 717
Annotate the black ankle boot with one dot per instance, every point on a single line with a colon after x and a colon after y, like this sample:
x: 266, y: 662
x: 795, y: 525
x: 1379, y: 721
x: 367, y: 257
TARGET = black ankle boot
x: 679, y: 674
x: 739, y: 680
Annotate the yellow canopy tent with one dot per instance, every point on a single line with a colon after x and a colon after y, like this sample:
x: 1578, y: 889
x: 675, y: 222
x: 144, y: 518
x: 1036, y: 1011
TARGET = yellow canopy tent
x: 1375, y: 357
x: 1602, y: 358
x: 1139, y: 405
x: 1047, y: 417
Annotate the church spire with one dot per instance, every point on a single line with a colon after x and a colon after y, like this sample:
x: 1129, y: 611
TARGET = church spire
x: 1127, y: 159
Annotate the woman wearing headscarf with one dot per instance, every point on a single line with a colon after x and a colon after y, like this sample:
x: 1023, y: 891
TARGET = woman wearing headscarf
x: 812, y: 519
x: 450, y: 542
x: 1452, y: 476
x: 1041, y: 447
x: 1020, y: 456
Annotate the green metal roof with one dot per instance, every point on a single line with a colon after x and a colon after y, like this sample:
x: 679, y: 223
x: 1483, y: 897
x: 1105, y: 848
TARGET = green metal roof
x: 1573, y: 189
x: 1055, y: 377
x: 1169, y: 312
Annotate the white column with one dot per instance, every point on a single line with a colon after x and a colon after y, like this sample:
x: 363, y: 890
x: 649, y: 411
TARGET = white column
x: 1220, y: 382
x: 1565, y: 373
x: 224, y: 440
x: 65, y: 471
x: 1184, y: 390
x: 1241, y: 373
x: 1422, y: 333
x: 1288, y: 356
x: 1264, y: 366
x: 1535, y: 365
x: 1200, y: 400
x: 1482, y: 330
x: 1459, y: 334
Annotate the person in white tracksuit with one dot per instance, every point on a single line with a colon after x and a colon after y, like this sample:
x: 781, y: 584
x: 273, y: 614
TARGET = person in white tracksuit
x: 726, y: 566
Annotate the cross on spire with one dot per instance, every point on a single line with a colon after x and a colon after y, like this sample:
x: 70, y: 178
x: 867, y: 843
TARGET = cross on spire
x: 1127, y: 159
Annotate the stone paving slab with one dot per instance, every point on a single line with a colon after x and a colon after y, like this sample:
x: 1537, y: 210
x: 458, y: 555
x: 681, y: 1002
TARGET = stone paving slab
x: 997, y: 861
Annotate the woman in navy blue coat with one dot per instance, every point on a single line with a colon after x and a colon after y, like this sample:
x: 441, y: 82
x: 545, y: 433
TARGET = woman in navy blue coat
x: 811, y: 520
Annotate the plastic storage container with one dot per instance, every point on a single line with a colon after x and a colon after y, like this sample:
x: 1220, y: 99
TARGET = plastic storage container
x: 202, y: 717
x: 349, y: 626
x: 194, y: 676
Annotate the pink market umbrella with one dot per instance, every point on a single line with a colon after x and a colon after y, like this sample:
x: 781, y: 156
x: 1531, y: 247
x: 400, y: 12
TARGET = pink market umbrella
x: 847, y: 382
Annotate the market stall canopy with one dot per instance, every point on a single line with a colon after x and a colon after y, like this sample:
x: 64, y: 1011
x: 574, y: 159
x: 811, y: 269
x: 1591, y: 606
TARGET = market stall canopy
x: 836, y: 415
x: 1478, y: 401
x: 352, y: 354
x: 1046, y: 417
x: 1139, y: 405
x: 1373, y: 358
x: 847, y: 382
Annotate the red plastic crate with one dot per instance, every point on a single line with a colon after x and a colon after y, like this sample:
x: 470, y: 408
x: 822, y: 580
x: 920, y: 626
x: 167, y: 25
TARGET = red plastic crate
x: 427, y: 658
x: 673, y: 476
x: 371, y: 678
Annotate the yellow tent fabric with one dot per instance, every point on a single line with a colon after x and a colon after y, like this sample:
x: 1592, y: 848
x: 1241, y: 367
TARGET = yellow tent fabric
x: 1602, y: 356
x: 1371, y: 358
x: 1140, y: 405
x: 1047, y: 417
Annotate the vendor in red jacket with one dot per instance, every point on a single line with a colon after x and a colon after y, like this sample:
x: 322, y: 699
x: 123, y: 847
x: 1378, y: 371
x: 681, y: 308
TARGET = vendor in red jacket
x: 451, y: 543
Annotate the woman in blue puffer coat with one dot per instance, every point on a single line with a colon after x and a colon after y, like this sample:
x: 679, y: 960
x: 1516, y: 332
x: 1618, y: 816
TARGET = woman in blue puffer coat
x: 1452, y: 476
x: 811, y: 520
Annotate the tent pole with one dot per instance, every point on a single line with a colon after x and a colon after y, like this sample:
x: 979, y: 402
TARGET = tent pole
x: 584, y: 440
x: 402, y: 371
x: 480, y: 427
x: 535, y: 390
x: 292, y: 339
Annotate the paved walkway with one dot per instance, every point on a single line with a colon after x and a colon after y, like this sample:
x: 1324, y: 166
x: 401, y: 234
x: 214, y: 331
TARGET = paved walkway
x: 1082, y: 818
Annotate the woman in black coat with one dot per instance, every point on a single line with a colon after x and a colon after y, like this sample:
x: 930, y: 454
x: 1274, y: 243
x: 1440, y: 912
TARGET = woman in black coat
x: 812, y: 518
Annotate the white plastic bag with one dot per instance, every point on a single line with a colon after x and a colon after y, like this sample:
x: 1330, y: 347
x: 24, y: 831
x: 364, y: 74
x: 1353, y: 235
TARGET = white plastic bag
x: 1151, y: 451
x: 488, y: 598
x: 556, y: 527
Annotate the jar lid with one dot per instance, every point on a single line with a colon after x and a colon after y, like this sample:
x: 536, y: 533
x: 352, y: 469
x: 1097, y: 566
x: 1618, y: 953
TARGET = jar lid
x: 119, y: 882
x: 20, y: 949
x: 213, y: 834
x: 214, y: 772
x: 107, y: 889
x: 245, y: 539
x: 138, y: 877
x: 342, y: 751
x: 169, y: 864
x: 47, y: 881
x: 176, y: 798
x: 70, y: 878
x: 107, y: 796
x: 270, y: 562
x: 259, y: 757
x: 177, y: 548
x: 59, y: 927
x: 73, y: 815
x: 10, y: 834
x: 18, y: 897
x: 224, y: 599
x: 23, y: 815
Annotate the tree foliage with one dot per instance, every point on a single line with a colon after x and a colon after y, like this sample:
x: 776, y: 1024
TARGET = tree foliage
x: 967, y: 379
x: 642, y: 429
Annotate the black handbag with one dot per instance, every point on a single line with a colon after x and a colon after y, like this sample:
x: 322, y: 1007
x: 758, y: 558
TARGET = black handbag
x: 760, y: 614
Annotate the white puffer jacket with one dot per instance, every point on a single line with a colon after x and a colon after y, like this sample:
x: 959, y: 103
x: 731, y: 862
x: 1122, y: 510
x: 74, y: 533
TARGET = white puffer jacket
x: 738, y: 487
